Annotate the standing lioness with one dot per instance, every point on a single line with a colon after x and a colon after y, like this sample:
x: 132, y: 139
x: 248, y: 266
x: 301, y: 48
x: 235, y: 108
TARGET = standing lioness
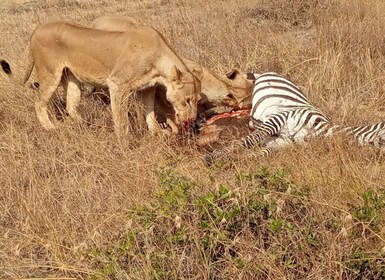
x: 231, y: 91
x: 121, y: 61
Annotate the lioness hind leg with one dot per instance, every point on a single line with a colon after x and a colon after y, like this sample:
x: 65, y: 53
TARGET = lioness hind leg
x: 119, y: 109
x: 48, y: 84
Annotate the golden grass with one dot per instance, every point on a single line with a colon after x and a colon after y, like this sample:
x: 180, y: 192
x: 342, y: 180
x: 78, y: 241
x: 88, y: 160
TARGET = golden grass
x: 76, y: 203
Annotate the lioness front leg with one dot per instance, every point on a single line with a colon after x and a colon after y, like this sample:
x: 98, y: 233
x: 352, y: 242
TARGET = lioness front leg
x: 169, y: 124
x: 119, y: 109
x: 172, y: 125
x: 148, y: 98
x: 73, y: 96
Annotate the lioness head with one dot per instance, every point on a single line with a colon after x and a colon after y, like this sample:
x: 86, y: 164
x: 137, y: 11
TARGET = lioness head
x: 184, y: 94
x: 232, y: 90
x: 240, y: 90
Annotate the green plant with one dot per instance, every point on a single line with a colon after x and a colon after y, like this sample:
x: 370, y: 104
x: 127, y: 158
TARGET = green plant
x: 276, y: 225
x: 174, y: 191
x: 372, y: 209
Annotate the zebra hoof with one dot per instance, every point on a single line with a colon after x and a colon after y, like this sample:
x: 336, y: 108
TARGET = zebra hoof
x: 208, y: 160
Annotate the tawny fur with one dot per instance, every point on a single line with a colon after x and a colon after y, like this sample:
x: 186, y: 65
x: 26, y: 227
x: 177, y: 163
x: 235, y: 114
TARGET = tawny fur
x: 121, y: 61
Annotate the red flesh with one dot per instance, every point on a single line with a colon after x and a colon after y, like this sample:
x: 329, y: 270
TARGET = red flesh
x: 232, y: 114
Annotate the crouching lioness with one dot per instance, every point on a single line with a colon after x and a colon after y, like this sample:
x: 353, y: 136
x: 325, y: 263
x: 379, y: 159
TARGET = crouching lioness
x: 216, y: 90
x: 121, y: 61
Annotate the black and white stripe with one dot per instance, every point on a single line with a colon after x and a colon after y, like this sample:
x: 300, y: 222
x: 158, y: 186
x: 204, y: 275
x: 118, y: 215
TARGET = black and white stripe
x: 272, y: 94
x: 281, y: 115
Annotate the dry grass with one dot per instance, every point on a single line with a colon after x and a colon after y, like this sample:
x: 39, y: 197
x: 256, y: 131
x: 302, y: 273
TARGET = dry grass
x: 77, y: 204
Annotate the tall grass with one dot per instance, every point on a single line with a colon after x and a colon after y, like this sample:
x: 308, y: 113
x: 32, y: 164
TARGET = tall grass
x: 77, y: 203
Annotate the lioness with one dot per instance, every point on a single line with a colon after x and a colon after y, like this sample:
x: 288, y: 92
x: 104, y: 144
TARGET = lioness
x: 232, y: 91
x: 122, y: 61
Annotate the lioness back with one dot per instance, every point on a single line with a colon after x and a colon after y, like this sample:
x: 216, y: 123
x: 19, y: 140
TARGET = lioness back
x: 103, y: 54
x: 114, y: 23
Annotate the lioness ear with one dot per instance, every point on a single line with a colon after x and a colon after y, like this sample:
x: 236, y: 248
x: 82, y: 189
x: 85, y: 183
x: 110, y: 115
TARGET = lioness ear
x: 232, y: 74
x: 175, y: 74
x: 197, y: 71
x: 250, y: 76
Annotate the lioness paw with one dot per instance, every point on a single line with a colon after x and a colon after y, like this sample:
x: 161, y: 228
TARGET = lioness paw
x: 164, y: 125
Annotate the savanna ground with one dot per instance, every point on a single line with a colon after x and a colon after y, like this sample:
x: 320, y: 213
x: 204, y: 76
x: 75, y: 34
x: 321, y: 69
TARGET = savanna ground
x: 77, y: 204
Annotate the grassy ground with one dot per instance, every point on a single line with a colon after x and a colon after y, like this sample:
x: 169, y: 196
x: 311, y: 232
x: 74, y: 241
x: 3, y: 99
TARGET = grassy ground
x: 77, y: 204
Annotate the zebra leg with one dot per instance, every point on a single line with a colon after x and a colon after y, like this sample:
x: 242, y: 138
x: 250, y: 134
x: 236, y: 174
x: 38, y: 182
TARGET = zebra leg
x: 210, y: 158
x: 269, y: 128
x: 379, y: 139
x: 367, y: 135
x: 246, y: 142
x: 271, y: 145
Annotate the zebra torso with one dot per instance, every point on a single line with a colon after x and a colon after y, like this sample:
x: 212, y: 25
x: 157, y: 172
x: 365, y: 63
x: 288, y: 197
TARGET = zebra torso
x: 281, y: 114
x: 281, y: 111
x: 273, y: 94
x: 279, y: 102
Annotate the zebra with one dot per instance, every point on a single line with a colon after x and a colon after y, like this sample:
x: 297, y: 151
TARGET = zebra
x: 282, y: 115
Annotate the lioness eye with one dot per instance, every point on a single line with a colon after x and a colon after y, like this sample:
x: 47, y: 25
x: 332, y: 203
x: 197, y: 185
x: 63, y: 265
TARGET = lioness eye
x: 231, y: 96
x: 188, y: 101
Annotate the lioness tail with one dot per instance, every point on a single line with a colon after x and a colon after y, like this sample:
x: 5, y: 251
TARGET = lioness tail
x: 6, y: 67
x: 30, y: 64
